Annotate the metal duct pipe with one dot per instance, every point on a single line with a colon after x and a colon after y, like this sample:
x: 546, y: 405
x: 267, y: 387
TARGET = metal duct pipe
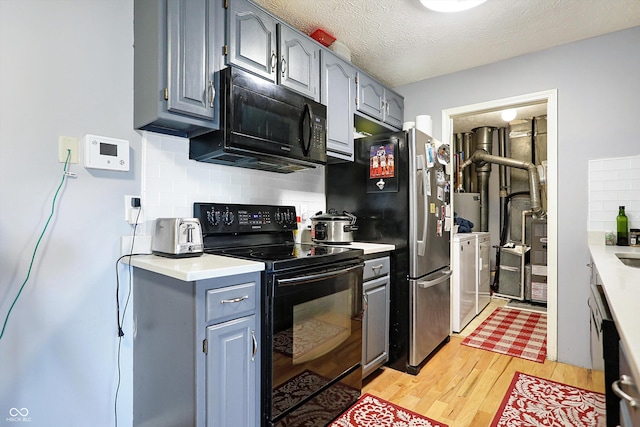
x: 466, y: 143
x: 502, y: 172
x: 484, y: 142
x: 502, y: 152
x: 483, y: 156
x: 483, y: 186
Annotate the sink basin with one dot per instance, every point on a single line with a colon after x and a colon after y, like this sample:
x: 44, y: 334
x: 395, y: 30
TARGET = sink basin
x: 632, y: 260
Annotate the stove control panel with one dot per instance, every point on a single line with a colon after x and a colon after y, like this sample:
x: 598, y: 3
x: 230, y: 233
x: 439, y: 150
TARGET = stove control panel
x: 225, y: 218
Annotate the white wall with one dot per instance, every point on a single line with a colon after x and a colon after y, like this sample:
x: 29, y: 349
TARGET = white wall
x: 597, y: 87
x: 66, y: 68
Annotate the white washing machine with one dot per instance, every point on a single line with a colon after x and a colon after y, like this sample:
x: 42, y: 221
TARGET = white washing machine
x: 463, y: 280
x: 483, y: 267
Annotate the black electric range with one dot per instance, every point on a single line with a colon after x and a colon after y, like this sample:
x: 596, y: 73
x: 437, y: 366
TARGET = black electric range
x: 311, y: 311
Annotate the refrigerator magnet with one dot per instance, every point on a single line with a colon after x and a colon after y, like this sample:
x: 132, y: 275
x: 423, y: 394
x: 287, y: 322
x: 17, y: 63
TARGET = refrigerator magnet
x: 431, y: 161
x: 440, y: 193
x: 439, y: 228
x: 447, y: 224
x: 382, y: 177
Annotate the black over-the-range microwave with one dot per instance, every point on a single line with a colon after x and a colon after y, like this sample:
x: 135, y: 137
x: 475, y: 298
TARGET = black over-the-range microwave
x: 263, y: 126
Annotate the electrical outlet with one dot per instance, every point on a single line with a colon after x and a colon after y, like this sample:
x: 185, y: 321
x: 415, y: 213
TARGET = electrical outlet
x: 131, y: 213
x: 67, y: 143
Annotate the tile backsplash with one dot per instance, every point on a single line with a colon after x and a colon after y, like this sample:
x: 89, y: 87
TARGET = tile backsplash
x: 612, y: 183
x: 171, y: 182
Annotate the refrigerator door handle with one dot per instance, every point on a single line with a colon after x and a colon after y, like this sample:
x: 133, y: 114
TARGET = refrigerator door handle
x: 422, y: 244
x: 429, y: 283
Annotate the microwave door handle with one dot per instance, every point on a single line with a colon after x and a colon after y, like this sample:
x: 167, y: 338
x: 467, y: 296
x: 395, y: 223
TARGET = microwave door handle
x: 306, y: 145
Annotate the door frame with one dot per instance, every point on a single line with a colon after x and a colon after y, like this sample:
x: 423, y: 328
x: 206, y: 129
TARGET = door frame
x: 551, y: 99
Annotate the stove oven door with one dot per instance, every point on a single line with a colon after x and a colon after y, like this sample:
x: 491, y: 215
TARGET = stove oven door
x: 316, y: 346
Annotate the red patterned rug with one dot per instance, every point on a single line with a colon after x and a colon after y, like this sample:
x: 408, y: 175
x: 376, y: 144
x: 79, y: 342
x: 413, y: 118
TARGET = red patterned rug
x: 533, y: 401
x: 371, y: 411
x: 512, y: 332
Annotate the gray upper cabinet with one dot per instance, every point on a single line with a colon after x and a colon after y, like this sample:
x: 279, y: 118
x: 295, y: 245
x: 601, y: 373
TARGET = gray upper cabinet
x: 338, y: 83
x: 251, y: 39
x: 379, y: 102
x: 299, y: 62
x: 259, y: 43
x: 394, y: 114
x: 370, y: 97
x: 175, y: 64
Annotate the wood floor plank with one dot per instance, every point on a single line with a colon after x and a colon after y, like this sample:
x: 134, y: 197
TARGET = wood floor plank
x: 463, y: 386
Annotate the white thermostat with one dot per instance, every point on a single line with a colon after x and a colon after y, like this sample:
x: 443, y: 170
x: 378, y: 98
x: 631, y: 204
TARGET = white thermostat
x: 101, y: 152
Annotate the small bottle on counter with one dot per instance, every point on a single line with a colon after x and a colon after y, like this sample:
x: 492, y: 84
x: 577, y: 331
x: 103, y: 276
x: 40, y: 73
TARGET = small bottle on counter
x: 634, y: 237
x: 622, y: 227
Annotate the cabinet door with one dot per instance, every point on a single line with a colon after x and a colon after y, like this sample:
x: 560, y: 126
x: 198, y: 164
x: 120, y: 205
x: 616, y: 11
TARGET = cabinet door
x: 370, y: 99
x: 375, y: 334
x: 299, y: 62
x: 251, y: 39
x: 394, y: 109
x: 191, y: 58
x: 338, y: 83
x: 231, y: 383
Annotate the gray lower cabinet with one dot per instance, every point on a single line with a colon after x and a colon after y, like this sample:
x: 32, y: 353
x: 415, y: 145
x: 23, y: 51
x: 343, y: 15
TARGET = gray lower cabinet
x: 627, y: 388
x: 196, y: 351
x: 338, y: 83
x: 379, y: 102
x: 175, y: 62
x: 231, y: 373
x: 260, y: 43
x: 375, y: 333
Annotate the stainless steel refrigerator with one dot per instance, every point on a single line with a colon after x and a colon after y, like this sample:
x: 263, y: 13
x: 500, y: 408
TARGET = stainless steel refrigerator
x: 398, y: 189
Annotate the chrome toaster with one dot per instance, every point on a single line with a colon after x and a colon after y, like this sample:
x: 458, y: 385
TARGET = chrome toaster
x: 177, y: 237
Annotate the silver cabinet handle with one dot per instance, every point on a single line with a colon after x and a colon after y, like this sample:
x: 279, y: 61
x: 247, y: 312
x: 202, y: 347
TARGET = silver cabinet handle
x: 283, y: 66
x: 274, y: 61
x: 234, y: 300
x: 255, y: 345
x: 624, y: 380
x: 377, y: 268
x: 212, y: 93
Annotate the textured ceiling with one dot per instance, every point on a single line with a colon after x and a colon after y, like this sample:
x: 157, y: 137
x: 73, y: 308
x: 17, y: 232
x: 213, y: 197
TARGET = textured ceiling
x: 400, y: 42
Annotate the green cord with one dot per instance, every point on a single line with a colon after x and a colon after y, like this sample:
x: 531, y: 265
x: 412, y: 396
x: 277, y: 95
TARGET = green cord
x: 53, y: 204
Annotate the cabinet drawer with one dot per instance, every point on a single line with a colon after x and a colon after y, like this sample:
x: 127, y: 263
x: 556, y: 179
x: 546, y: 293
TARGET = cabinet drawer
x: 375, y: 268
x: 230, y: 301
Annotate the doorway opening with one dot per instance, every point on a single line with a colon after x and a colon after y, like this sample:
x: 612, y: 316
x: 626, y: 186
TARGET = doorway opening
x: 482, y: 114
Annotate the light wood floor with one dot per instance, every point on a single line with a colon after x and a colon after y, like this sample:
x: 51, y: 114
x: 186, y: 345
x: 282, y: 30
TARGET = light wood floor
x: 463, y: 386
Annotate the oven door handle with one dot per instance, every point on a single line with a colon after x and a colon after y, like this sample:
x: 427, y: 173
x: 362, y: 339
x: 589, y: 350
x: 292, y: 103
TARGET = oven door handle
x: 288, y: 282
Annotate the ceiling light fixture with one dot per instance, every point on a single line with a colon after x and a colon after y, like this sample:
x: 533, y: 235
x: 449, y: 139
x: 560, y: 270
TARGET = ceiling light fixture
x: 450, y: 5
x: 508, y: 115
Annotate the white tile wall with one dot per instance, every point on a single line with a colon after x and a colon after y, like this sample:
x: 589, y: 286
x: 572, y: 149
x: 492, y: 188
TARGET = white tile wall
x: 171, y: 182
x: 612, y: 183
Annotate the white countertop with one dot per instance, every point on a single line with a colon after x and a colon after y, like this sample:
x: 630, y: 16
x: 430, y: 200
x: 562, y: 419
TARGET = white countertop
x: 621, y: 285
x: 196, y: 268
x: 371, y: 248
